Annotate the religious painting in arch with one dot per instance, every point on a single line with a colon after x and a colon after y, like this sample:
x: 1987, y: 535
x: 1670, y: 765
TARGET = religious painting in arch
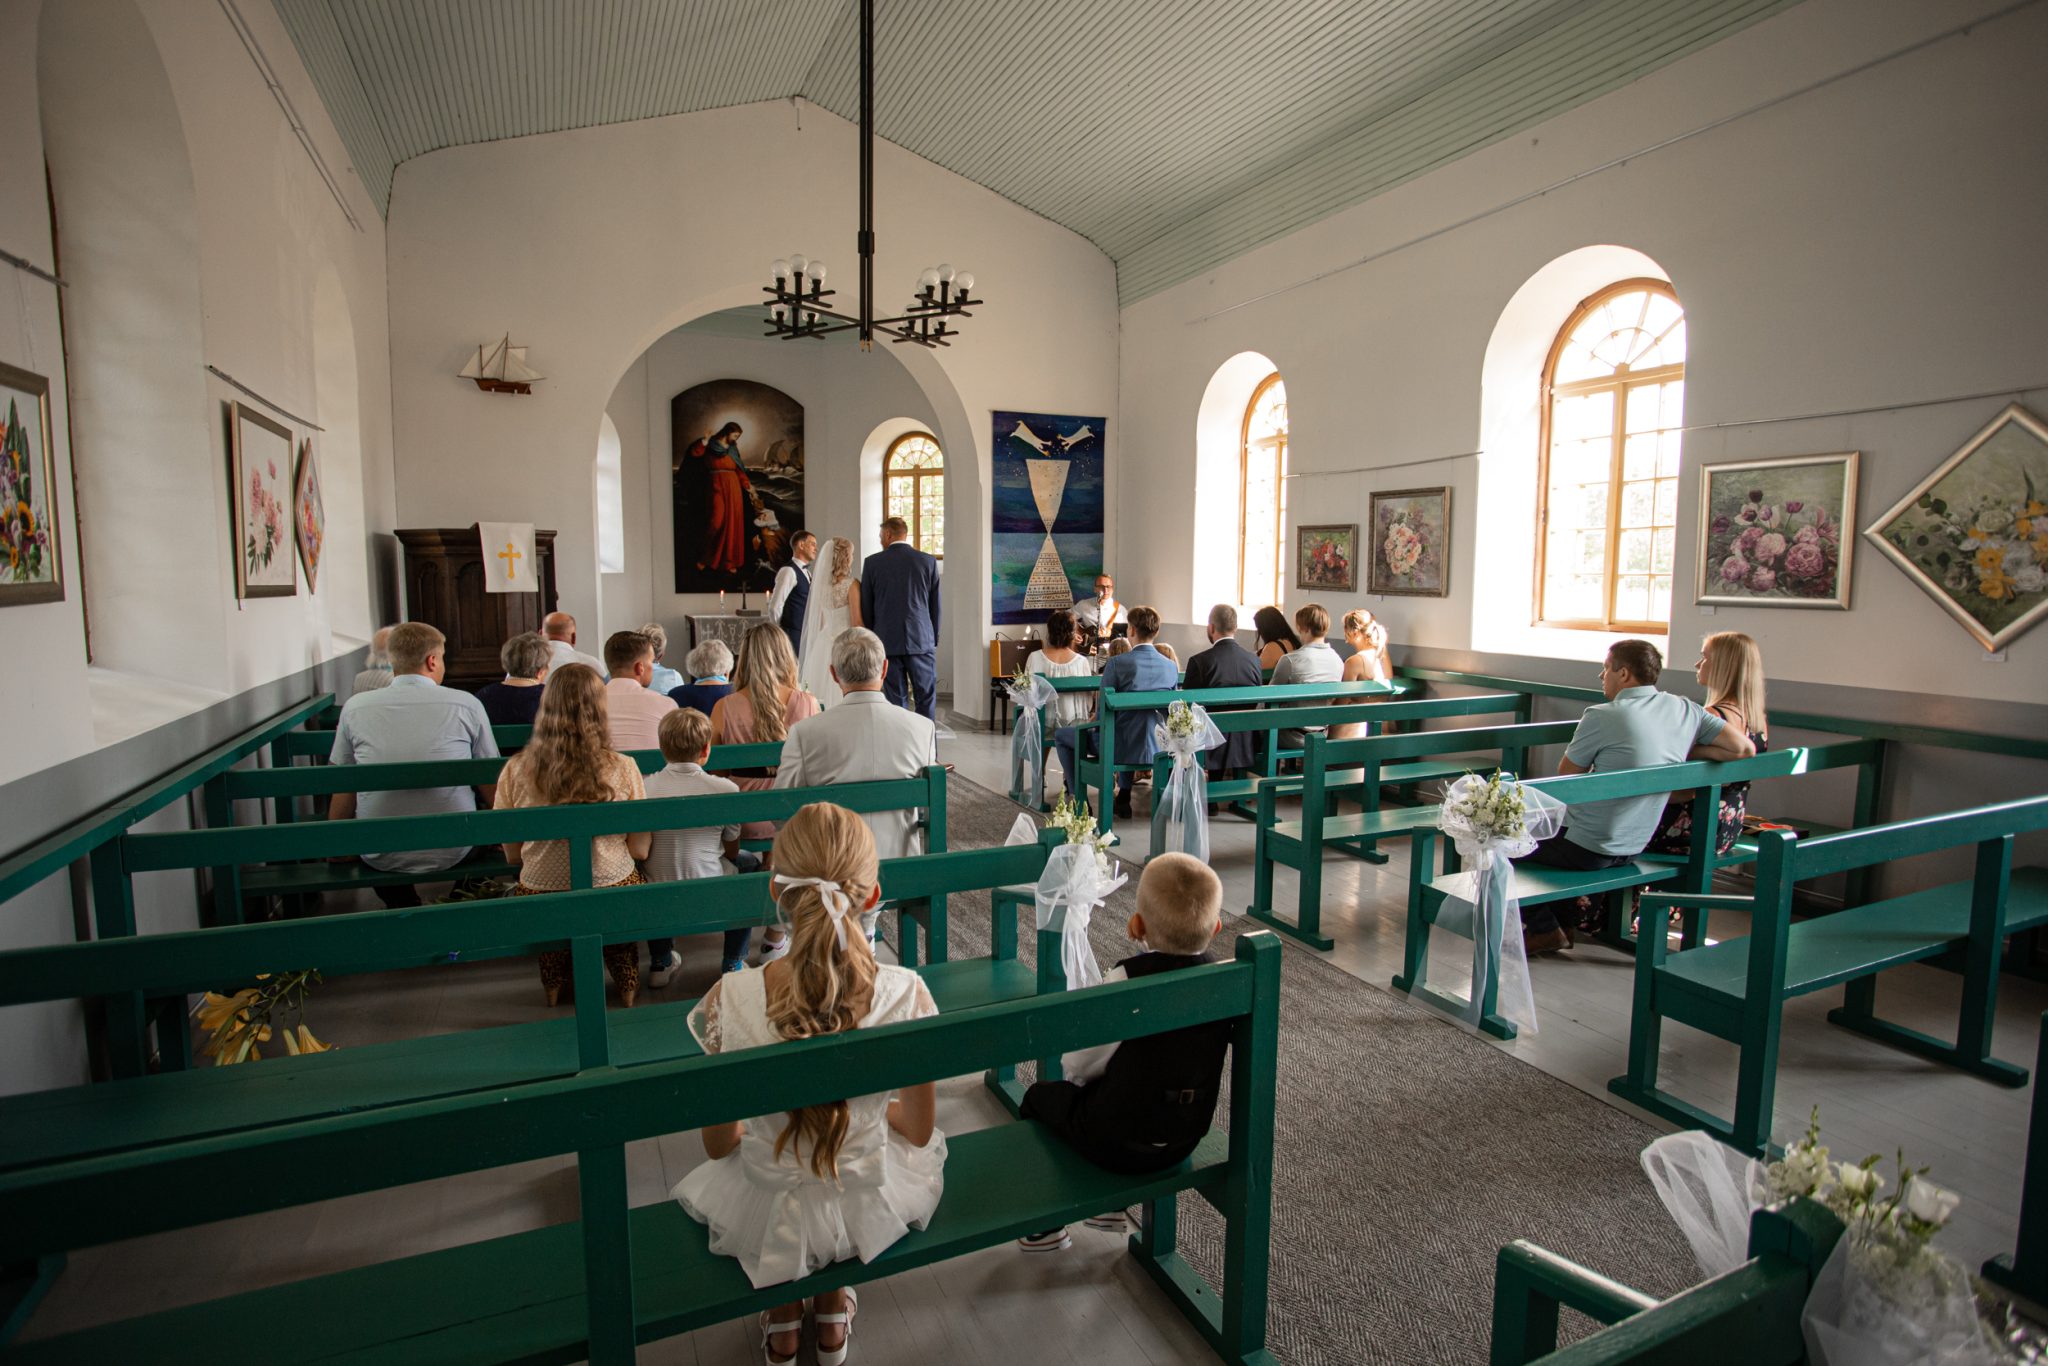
x: 736, y: 473
x: 1047, y: 513
x: 30, y: 568
x: 309, y: 514
x: 260, y: 460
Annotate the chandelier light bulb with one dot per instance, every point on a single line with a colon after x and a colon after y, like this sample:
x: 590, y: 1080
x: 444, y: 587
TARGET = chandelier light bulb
x: 797, y: 263
x: 816, y: 270
x: 964, y: 280
x: 930, y: 279
x: 945, y: 272
x: 781, y: 269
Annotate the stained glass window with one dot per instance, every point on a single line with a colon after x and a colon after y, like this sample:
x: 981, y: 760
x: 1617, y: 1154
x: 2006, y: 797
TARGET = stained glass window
x: 1262, y: 494
x: 914, y: 488
x: 1607, y: 514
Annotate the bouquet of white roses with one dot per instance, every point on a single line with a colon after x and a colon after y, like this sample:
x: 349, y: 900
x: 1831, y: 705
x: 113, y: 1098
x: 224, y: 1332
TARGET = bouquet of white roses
x: 1494, y: 821
x: 1181, y: 807
x: 1029, y: 694
x: 1078, y: 877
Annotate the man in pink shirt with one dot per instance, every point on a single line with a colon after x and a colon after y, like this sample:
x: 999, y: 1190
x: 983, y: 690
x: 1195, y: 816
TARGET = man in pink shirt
x: 635, y: 710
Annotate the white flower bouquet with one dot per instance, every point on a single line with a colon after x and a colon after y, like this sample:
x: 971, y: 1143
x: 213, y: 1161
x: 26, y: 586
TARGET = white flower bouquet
x: 1029, y: 694
x: 1493, y: 821
x: 1182, y: 806
x: 1078, y: 877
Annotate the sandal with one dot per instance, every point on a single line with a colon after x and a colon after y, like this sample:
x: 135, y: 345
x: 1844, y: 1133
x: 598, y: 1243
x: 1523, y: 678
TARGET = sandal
x: 770, y: 1329
x: 836, y: 1356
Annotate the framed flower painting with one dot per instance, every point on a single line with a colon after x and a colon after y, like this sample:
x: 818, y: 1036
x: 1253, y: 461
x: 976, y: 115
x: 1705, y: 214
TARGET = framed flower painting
x: 1410, y: 532
x: 1974, y: 533
x: 309, y: 514
x: 260, y: 454
x: 1778, y: 533
x: 1326, y: 557
x: 30, y: 569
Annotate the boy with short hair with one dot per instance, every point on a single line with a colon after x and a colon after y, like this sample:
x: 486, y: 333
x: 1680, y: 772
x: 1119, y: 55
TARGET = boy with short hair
x: 678, y: 855
x: 1143, y: 1104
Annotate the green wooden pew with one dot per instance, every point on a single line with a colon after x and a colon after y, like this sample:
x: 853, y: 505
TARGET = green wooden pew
x: 620, y: 1276
x: 1736, y: 990
x: 2025, y: 1272
x: 1749, y: 1315
x: 1372, y: 761
x: 183, y: 1106
x: 1536, y: 884
x: 283, y: 786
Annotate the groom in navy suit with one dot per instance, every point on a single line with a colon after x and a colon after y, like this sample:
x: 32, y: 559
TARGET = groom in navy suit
x: 899, y: 601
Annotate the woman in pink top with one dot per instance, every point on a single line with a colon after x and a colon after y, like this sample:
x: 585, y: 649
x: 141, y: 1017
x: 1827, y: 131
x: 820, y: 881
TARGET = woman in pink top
x: 764, y: 703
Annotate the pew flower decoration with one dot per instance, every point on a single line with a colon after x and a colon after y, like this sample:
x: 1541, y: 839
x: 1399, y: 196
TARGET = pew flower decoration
x: 1029, y: 695
x: 239, y: 1025
x: 1078, y: 877
x: 1182, y: 803
x: 1493, y: 821
x: 1071, y: 817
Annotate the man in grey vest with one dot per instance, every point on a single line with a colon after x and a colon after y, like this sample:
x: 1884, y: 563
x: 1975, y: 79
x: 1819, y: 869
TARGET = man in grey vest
x: 792, y: 591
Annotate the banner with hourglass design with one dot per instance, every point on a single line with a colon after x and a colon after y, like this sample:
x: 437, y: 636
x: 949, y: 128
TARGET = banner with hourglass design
x: 1048, y: 512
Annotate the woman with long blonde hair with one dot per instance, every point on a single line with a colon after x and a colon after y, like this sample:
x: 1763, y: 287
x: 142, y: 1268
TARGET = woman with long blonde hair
x: 570, y: 760
x: 1368, y: 663
x: 1731, y: 669
x: 834, y: 609
x: 765, y: 701
x: 789, y: 1194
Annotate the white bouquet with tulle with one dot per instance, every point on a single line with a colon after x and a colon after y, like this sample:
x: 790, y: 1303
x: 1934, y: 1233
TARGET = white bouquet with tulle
x: 1494, y: 821
x: 1029, y: 693
x: 1182, y: 806
x: 1079, y: 876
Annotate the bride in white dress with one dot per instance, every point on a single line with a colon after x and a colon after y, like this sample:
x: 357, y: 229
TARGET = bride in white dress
x: 834, y: 606
x: 779, y: 1193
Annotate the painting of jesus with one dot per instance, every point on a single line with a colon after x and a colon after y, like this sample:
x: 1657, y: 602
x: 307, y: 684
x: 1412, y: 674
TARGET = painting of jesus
x: 737, y: 481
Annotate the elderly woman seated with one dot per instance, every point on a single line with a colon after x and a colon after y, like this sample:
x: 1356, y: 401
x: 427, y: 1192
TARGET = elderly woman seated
x: 665, y: 679
x: 710, y: 666
x: 516, y: 700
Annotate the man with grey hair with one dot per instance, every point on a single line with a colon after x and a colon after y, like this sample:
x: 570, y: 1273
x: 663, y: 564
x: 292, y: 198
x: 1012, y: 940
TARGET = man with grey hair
x: 516, y: 701
x: 376, y: 671
x: 1227, y: 664
x: 863, y: 739
x: 415, y: 720
x: 665, y: 680
x: 710, y: 666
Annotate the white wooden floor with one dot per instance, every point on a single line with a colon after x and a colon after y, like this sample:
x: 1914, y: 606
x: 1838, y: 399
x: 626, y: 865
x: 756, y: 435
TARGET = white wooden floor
x: 1009, y: 1308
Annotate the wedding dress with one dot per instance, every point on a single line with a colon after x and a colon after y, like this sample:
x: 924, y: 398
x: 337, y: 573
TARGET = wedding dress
x: 827, y: 615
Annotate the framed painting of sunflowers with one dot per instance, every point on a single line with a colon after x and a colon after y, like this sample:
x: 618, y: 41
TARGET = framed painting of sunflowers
x: 261, y: 454
x: 31, y: 569
x: 1778, y: 533
x: 1974, y: 533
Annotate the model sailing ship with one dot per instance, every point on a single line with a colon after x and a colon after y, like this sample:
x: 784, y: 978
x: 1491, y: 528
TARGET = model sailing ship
x: 501, y: 369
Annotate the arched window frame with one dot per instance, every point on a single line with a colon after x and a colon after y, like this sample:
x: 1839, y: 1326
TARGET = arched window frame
x: 1620, y: 382
x: 931, y: 541
x: 1244, y: 470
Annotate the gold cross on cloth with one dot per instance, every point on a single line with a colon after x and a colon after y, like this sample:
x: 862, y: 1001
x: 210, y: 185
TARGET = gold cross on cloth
x: 511, y: 557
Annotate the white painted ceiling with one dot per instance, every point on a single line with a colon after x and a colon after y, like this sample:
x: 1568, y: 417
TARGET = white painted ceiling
x: 1174, y: 134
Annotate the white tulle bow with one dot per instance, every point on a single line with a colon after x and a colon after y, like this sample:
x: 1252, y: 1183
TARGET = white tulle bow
x: 1027, y: 741
x: 1485, y: 899
x: 1183, y: 805
x: 838, y: 904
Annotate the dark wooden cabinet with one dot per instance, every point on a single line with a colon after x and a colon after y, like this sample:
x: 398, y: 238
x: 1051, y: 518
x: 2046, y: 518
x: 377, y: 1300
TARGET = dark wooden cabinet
x: 444, y: 587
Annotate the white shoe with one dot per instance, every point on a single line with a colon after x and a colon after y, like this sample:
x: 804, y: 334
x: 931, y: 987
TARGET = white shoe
x: 836, y: 1356
x: 664, y: 973
x: 770, y: 1329
x: 772, y: 949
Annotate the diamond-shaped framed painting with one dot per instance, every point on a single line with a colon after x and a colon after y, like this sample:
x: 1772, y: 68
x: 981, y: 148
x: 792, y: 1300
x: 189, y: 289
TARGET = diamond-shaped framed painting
x: 1974, y: 533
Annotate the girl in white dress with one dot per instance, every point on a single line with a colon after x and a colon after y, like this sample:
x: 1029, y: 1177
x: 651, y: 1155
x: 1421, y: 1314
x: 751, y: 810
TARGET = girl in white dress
x: 789, y: 1194
x: 834, y: 606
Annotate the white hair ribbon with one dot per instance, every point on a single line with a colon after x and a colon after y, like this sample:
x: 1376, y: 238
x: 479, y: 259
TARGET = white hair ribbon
x: 838, y: 904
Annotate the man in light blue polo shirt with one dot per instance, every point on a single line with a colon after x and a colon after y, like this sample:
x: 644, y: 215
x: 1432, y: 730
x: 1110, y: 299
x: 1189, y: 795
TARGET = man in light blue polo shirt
x: 413, y: 720
x: 1636, y: 727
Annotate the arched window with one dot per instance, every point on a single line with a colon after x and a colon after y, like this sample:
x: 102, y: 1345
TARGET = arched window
x: 1262, y: 493
x: 610, y: 484
x: 1607, y: 504
x: 914, y: 488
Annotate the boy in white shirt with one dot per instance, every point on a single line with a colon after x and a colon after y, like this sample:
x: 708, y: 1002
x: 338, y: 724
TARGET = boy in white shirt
x: 703, y: 851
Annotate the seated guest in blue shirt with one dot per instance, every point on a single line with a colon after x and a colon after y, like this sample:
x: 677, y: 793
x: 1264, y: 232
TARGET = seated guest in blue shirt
x: 412, y: 721
x: 665, y: 680
x: 516, y: 701
x: 1636, y: 727
x: 1141, y: 669
x: 710, y: 664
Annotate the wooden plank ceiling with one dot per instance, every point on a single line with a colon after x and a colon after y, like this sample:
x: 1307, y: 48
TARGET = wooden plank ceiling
x: 1173, y: 134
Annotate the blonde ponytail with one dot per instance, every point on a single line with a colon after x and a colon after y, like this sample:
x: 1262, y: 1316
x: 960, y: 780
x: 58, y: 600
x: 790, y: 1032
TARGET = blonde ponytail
x: 828, y: 987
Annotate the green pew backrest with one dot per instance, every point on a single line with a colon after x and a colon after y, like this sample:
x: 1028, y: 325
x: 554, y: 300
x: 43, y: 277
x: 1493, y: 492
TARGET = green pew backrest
x: 324, y: 779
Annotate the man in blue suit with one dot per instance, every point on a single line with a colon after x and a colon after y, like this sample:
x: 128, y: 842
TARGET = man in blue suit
x: 899, y: 601
x: 1141, y: 669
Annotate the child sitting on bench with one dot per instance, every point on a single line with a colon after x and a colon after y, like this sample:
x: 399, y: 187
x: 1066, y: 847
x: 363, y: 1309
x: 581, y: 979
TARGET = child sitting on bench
x: 685, y: 736
x: 790, y: 1193
x: 1143, y: 1105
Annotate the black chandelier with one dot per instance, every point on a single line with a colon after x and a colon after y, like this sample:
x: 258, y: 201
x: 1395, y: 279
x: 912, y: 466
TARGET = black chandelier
x: 797, y: 300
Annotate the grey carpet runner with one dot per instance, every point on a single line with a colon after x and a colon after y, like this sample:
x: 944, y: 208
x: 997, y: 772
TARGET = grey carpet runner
x: 1407, y: 1153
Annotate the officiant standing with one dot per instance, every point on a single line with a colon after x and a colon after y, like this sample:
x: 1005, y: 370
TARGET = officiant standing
x: 899, y: 601
x: 792, y: 591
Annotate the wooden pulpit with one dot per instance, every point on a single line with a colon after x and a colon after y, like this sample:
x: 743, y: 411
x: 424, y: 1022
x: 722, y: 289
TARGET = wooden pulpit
x: 444, y: 587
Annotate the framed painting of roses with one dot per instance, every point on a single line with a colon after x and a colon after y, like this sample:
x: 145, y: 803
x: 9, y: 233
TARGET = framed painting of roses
x: 260, y: 458
x: 1778, y: 533
x: 1326, y: 557
x: 1411, y: 543
x: 1974, y: 533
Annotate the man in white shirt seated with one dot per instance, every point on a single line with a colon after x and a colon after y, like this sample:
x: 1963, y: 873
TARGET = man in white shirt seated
x: 560, y: 629
x: 413, y: 720
x: 1099, y: 614
x: 863, y: 739
x: 701, y: 851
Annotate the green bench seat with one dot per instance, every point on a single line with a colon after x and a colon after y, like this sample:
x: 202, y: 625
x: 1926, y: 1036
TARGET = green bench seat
x: 305, y: 879
x: 1536, y: 883
x: 116, y: 1116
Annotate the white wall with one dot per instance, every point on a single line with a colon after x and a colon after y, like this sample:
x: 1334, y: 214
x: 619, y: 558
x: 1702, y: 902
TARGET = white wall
x: 846, y: 395
x: 591, y: 245
x: 1871, y: 242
